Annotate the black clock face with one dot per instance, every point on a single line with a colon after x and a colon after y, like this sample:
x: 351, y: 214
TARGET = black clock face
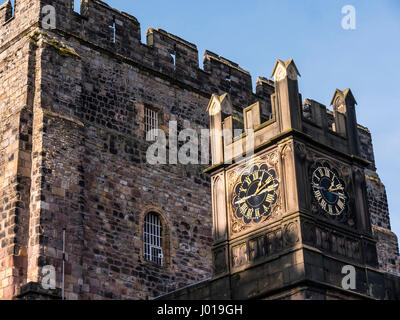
x: 255, y: 194
x: 329, y: 190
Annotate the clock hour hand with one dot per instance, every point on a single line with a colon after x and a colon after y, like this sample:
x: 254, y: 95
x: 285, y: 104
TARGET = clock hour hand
x: 270, y: 188
x: 259, y: 184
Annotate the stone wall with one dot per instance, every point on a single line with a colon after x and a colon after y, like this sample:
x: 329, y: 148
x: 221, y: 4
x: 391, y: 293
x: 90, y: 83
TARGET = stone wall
x: 387, y: 246
x: 387, y: 242
x: 17, y: 74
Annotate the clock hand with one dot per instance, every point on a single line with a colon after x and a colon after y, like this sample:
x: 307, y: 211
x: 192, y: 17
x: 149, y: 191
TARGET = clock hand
x: 332, y: 185
x: 259, y: 184
x: 243, y: 200
x: 331, y: 191
x: 320, y: 188
x: 270, y: 188
x: 336, y: 189
x: 254, y: 195
x: 339, y: 195
x: 259, y: 189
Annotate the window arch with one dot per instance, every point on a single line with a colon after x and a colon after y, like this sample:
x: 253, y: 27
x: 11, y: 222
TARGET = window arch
x: 153, y: 238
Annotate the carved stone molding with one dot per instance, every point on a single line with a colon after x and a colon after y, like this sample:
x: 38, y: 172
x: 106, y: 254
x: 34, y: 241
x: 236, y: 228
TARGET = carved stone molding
x: 359, y: 176
x: 219, y: 207
x: 291, y: 233
x: 286, y: 149
x: 346, y: 172
x: 301, y: 151
x: 239, y: 255
x: 332, y: 242
x: 271, y: 242
x: 273, y: 159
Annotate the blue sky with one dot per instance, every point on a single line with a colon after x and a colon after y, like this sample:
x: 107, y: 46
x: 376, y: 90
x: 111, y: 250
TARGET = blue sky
x: 255, y: 33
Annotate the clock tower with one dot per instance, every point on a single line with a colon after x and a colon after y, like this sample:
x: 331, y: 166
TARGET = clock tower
x: 290, y: 209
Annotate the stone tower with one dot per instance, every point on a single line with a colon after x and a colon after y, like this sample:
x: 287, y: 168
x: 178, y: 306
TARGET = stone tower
x: 76, y: 102
x: 292, y: 215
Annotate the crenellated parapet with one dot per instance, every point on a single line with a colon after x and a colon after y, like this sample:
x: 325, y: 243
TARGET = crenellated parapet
x: 119, y: 33
x: 338, y: 129
x: 5, y: 12
x: 228, y: 76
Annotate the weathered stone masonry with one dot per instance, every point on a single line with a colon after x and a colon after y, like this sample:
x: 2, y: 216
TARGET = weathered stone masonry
x: 72, y: 152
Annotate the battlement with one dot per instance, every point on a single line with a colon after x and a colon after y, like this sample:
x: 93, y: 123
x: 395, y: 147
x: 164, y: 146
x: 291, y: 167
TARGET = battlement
x: 104, y: 28
x: 5, y: 12
x: 119, y: 33
x: 338, y: 129
x: 264, y: 86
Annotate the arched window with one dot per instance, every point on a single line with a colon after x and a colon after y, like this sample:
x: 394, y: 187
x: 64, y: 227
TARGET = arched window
x: 152, y: 234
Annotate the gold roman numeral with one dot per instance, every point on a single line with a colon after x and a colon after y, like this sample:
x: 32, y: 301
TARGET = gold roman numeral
x: 243, y: 208
x: 342, y: 196
x: 249, y: 213
x: 340, y: 204
x: 318, y: 195
x: 324, y: 204
x: 242, y: 190
x: 268, y: 181
x: 256, y: 175
x: 270, y: 198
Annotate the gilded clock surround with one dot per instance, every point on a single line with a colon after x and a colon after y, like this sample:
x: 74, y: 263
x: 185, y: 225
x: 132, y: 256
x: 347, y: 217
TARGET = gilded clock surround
x: 255, y: 194
x: 253, y: 187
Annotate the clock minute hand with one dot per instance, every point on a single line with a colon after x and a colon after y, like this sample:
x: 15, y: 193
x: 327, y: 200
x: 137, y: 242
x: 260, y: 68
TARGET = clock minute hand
x: 339, y: 195
x: 335, y: 189
x: 254, y: 195
x: 243, y: 200
x: 318, y: 187
x: 267, y: 190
